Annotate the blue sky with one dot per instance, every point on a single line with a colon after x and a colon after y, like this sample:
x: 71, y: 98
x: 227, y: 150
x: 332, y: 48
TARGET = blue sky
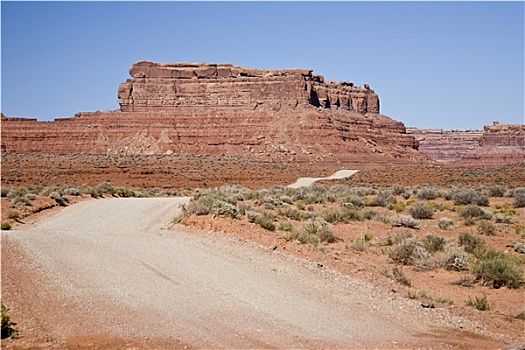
x: 433, y: 64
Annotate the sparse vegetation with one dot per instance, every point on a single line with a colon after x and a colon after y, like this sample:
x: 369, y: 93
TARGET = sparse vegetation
x: 496, y: 268
x: 8, y: 327
x: 480, y: 303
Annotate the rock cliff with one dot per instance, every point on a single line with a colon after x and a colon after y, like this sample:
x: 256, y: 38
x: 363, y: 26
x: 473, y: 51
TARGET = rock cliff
x: 222, y: 109
x: 446, y: 146
x: 495, y: 145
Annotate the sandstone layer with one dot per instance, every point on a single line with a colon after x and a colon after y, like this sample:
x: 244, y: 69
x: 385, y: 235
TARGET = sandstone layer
x: 495, y: 145
x: 207, y: 108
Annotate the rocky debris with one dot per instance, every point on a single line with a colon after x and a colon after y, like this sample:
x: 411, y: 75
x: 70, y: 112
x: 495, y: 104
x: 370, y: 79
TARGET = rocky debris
x: 427, y: 305
x: 288, y: 115
x: 514, y: 346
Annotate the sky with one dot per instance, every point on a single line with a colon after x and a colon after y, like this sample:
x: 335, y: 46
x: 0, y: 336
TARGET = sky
x: 446, y: 65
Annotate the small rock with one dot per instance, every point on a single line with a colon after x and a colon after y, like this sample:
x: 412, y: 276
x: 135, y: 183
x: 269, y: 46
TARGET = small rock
x: 394, y: 290
x: 519, y: 248
x: 273, y: 246
x: 514, y: 346
x: 428, y: 305
x: 320, y: 265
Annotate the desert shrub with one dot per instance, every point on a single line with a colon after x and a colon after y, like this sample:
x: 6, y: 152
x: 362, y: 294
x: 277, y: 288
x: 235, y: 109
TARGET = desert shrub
x: 404, y: 221
x: 383, y: 199
x: 470, y: 242
x: 13, y: 214
x: 519, y: 197
x: 486, y: 227
x: 472, y: 211
x: 326, y: 235
x: 5, y: 226
x: 434, y: 243
x: 427, y: 193
x: 4, y: 191
x: 352, y: 201
x: 503, y: 219
x: 519, y: 229
x: 285, y: 226
x: 265, y: 221
x: 369, y: 214
x: 410, y: 251
x: 400, y: 276
x: 420, y: 210
x: 398, y: 190
x: 456, y: 260
x: 495, y: 191
x: 464, y: 280
x: 399, y: 207
x: 202, y: 206
x: 8, y: 327
x: 106, y: 188
x: 463, y: 197
x: 71, y: 191
x: 480, y: 304
x: 31, y: 196
x: 496, y: 267
x: 292, y: 213
x: 445, y: 223
x: 308, y: 232
x: 225, y: 209
x: 251, y: 215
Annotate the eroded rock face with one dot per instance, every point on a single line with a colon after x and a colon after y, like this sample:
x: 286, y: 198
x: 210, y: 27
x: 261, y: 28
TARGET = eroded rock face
x: 446, y: 146
x: 175, y: 86
x: 291, y: 115
x: 496, y: 144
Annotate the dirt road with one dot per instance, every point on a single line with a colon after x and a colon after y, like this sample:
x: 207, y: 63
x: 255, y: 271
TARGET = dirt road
x: 309, y: 181
x: 114, y: 269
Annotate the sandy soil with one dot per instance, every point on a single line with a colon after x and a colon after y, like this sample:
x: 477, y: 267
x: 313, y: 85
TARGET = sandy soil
x: 115, y: 274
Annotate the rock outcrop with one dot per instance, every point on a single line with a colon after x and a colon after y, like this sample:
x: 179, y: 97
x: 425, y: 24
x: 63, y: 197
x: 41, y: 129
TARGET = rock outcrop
x: 495, y: 145
x: 176, y: 86
x: 446, y: 146
x: 208, y: 108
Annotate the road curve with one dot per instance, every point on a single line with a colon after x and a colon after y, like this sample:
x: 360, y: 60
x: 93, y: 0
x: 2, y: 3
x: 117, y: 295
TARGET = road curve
x: 114, y: 266
x: 309, y: 181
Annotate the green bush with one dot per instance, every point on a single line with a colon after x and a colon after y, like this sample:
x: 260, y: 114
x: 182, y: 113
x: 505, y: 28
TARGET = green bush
x: 486, y: 227
x: 434, y: 243
x: 265, y: 221
x: 480, y: 304
x: 496, y: 267
x: 308, y: 232
x: 420, y: 210
x: 6, y: 226
x: 286, y: 226
x: 470, y: 242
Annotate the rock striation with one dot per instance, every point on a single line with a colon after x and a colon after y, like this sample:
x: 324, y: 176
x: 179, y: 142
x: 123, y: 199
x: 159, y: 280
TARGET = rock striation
x: 495, y: 145
x: 176, y: 86
x: 446, y: 146
x: 207, y: 108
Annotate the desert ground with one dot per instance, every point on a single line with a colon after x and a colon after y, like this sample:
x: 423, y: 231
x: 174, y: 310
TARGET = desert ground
x: 248, y: 262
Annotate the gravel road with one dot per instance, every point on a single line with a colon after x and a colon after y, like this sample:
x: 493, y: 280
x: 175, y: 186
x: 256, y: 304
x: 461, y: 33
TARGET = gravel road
x: 309, y: 181
x: 119, y: 267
